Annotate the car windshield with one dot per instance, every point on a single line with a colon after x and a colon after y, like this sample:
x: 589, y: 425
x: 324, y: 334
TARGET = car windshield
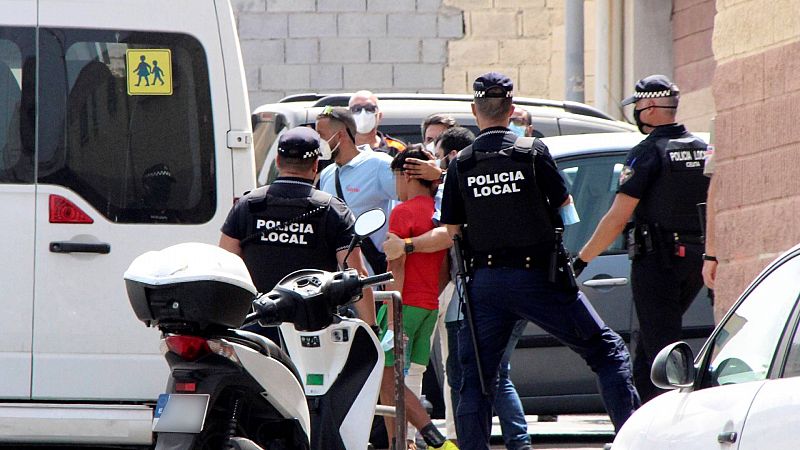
x: 744, y: 347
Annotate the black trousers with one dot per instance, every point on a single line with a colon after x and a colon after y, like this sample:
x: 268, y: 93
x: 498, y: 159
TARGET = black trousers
x: 664, y: 287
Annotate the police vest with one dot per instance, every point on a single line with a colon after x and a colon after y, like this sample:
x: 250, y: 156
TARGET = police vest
x: 505, y: 208
x: 671, y: 202
x: 284, y: 235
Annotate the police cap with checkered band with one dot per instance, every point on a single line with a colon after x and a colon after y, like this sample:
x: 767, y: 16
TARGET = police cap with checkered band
x: 299, y: 143
x: 654, y: 86
x: 493, y: 85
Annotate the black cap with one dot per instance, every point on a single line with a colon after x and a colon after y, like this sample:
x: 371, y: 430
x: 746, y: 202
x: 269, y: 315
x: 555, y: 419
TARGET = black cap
x: 300, y: 143
x: 654, y: 86
x: 158, y: 171
x: 342, y: 115
x: 493, y: 85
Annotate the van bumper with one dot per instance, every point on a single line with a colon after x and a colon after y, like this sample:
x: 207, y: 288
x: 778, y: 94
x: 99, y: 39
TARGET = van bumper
x: 76, y: 423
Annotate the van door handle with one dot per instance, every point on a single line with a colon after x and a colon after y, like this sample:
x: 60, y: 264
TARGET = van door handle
x: 79, y: 247
x: 727, y: 437
x: 605, y: 282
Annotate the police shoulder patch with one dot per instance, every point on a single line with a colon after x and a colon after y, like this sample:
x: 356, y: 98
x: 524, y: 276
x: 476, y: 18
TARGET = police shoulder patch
x: 625, y: 175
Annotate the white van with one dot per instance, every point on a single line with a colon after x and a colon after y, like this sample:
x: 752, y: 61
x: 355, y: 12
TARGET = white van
x: 124, y: 127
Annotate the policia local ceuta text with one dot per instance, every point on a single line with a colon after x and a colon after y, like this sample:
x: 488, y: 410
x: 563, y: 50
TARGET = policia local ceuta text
x: 507, y: 179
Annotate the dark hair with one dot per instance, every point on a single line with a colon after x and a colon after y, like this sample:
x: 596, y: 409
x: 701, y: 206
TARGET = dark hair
x: 455, y: 139
x: 438, y: 119
x: 494, y: 108
x: 342, y: 116
x: 297, y: 164
x: 413, y: 151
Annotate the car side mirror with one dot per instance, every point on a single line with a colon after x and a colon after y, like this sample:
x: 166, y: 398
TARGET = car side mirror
x: 673, y: 367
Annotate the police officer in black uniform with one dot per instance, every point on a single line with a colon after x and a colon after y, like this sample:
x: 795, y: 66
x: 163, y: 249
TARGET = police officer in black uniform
x: 289, y: 225
x: 508, y: 194
x: 660, y: 186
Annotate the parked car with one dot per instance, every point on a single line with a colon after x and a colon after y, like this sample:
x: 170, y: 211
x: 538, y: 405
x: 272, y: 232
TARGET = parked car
x: 403, y: 115
x: 550, y: 378
x: 743, y: 390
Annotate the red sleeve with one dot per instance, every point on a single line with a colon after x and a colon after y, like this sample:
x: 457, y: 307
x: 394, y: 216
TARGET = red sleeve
x: 400, y: 222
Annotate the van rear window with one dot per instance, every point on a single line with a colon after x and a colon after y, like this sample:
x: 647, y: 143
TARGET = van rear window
x: 137, y: 155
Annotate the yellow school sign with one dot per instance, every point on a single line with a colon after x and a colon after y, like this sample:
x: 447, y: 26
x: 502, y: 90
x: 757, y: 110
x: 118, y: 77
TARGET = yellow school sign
x: 149, y: 72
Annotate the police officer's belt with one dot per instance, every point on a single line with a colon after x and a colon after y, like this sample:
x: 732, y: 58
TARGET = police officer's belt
x: 525, y: 258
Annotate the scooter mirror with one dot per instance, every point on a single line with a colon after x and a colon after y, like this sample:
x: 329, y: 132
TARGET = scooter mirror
x: 369, y: 222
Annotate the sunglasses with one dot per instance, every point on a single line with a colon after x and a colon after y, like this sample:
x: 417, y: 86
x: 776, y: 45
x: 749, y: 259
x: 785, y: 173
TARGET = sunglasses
x: 355, y: 109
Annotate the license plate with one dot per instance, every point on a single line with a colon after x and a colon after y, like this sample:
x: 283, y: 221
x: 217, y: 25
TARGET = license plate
x: 180, y: 413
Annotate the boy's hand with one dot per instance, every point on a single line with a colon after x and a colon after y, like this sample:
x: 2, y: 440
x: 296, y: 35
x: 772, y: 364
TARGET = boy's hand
x: 426, y: 170
x: 393, y: 247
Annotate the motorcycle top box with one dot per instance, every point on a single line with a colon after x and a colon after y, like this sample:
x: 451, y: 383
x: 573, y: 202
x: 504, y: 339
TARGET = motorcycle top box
x: 191, y: 285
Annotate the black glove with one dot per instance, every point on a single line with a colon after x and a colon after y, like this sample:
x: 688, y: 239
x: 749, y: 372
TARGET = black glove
x: 578, y: 265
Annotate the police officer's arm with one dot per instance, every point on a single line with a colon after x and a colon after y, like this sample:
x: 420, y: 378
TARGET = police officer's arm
x: 366, y: 306
x: 610, y: 226
x: 710, y: 258
x: 230, y: 244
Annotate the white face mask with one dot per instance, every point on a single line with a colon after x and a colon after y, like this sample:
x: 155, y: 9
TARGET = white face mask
x: 430, y: 148
x: 365, y: 121
x: 326, y: 152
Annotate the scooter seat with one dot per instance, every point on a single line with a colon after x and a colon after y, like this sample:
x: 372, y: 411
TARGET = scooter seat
x: 268, y: 348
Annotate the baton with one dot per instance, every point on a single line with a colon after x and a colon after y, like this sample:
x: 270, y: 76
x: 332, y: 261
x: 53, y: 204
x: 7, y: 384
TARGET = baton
x: 461, y: 287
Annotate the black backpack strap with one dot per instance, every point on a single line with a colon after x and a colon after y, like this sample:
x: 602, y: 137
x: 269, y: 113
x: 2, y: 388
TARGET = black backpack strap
x: 339, y: 192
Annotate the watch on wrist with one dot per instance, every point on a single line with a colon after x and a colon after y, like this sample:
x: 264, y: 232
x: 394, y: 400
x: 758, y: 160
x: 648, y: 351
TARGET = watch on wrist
x: 709, y: 258
x: 409, y: 248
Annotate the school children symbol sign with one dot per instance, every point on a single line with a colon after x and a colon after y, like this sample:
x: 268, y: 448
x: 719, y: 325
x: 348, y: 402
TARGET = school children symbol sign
x: 149, y: 71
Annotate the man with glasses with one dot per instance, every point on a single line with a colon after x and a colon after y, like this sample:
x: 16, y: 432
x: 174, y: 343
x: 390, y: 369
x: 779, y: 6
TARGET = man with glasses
x: 362, y: 178
x: 367, y: 115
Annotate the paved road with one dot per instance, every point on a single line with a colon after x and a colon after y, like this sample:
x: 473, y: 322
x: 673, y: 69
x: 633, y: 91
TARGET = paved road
x: 574, y: 432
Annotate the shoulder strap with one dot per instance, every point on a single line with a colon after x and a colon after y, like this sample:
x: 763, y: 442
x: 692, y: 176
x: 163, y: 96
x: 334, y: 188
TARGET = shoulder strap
x: 339, y: 192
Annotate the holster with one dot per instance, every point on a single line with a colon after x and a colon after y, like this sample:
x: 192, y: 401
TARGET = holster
x: 559, y: 271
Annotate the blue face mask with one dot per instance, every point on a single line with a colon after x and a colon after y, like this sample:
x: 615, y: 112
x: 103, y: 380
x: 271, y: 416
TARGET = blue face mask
x: 517, y: 129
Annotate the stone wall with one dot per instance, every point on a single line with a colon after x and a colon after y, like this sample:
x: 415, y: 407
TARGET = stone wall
x: 523, y: 39
x: 294, y: 46
x: 757, y: 93
x: 693, y: 58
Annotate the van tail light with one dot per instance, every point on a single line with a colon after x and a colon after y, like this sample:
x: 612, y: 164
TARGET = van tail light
x: 189, y: 348
x: 185, y: 386
x: 64, y: 211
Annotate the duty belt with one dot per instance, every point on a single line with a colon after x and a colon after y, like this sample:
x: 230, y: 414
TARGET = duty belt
x: 515, y: 261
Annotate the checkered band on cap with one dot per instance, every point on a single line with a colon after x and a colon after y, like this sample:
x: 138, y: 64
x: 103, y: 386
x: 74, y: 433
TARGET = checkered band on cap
x: 481, y: 94
x: 657, y: 94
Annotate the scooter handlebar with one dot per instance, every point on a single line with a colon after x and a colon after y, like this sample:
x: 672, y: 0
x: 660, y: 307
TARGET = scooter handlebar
x: 377, y: 279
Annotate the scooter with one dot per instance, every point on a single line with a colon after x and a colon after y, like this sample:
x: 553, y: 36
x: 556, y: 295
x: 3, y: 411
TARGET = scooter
x: 231, y: 388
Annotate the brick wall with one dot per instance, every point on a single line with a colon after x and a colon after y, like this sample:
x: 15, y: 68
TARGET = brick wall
x: 693, y: 58
x: 524, y: 39
x: 757, y: 92
x: 293, y: 46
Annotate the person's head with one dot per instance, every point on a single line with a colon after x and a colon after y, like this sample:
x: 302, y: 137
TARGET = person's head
x: 337, y: 128
x: 155, y: 63
x: 298, y: 151
x: 452, y: 141
x: 433, y: 126
x: 408, y: 187
x: 493, y: 100
x: 655, y: 102
x: 157, y: 182
x: 367, y: 114
x: 521, y: 122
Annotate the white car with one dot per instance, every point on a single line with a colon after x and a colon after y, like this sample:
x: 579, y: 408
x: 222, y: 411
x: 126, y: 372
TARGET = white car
x: 743, y: 390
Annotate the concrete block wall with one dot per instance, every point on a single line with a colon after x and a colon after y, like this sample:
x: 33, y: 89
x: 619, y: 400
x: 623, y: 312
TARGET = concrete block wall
x: 295, y: 46
x: 757, y: 93
x: 694, y: 63
x: 522, y: 38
